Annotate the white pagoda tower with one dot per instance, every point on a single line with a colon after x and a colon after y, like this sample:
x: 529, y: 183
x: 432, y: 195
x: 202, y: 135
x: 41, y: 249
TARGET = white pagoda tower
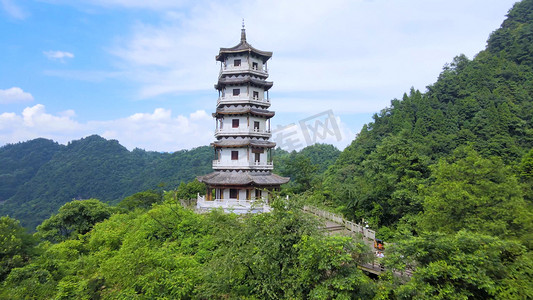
x: 242, y: 177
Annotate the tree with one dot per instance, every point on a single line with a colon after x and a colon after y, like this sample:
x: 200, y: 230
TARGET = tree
x: 143, y: 200
x: 282, y: 255
x: 464, y: 265
x: 475, y: 193
x: 190, y: 190
x: 16, y: 246
x: 301, y: 171
x: 73, y: 218
x: 526, y: 175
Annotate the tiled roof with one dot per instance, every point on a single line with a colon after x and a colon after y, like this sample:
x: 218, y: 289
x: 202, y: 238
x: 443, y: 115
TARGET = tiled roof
x: 243, y: 178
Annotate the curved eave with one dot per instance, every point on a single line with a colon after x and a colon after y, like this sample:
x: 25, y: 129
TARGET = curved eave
x: 243, y: 47
x: 248, y: 72
x: 243, y: 111
x: 243, y: 143
x: 242, y: 178
x: 224, y: 81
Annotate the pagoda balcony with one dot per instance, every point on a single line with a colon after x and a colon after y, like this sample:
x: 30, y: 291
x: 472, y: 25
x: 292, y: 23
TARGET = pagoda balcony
x: 242, y: 165
x: 263, y: 72
x: 243, y: 98
x: 233, y: 205
x: 243, y: 132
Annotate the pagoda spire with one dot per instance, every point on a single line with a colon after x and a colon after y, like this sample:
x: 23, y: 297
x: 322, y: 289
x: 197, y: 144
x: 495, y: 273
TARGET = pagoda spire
x: 243, y: 32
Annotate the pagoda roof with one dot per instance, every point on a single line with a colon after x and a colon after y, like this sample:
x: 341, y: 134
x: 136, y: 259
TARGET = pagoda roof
x: 243, y: 110
x: 237, y: 143
x: 243, y: 178
x: 223, y: 81
x: 243, y: 47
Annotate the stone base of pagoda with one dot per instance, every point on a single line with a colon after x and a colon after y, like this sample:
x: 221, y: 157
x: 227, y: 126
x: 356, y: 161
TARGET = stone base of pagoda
x: 233, y: 205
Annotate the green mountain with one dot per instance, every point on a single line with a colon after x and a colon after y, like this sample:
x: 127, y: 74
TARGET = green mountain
x: 483, y: 105
x: 39, y: 176
x: 20, y: 162
x: 306, y: 167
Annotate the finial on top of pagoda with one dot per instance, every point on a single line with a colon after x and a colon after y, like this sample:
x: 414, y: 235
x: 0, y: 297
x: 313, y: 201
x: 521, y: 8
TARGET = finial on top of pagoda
x: 243, y: 32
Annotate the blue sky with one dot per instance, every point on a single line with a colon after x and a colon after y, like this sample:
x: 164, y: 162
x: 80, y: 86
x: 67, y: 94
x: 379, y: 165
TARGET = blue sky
x: 142, y: 72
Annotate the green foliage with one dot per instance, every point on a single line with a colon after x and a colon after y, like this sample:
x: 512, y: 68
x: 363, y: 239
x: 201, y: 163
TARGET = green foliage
x: 525, y: 170
x: 464, y: 265
x: 30, y: 282
x: 514, y: 40
x: 328, y: 268
x: 169, y: 252
x: 526, y: 166
x: 305, y: 168
x: 477, y: 194
x: 21, y: 161
x: 281, y: 255
x: 74, y: 218
x: 88, y: 168
x: 142, y: 200
x: 190, y: 190
x: 16, y: 246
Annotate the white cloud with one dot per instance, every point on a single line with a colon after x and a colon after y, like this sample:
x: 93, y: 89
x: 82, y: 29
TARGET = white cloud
x: 13, y: 10
x: 14, y: 95
x: 157, y: 131
x: 371, y: 47
x: 36, y: 117
x: 58, y: 55
x: 160, y: 131
x: 35, y: 122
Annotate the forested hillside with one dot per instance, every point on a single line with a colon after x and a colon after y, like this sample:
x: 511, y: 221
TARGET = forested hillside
x: 39, y: 176
x: 478, y: 114
x: 20, y: 162
x: 306, y: 167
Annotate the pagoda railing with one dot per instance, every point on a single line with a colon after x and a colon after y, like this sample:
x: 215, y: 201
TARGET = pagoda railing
x: 243, y: 67
x: 234, y: 204
x: 229, y: 99
x: 242, y: 131
x: 219, y: 164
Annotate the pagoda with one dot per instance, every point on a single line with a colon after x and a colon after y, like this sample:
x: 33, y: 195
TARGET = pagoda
x: 242, y: 180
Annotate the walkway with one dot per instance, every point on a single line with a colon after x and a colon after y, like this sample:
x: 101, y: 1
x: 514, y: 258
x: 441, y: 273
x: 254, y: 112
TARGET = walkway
x: 336, y: 224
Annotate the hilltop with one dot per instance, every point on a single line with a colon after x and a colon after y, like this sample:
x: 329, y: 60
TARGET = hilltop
x: 39, y: 176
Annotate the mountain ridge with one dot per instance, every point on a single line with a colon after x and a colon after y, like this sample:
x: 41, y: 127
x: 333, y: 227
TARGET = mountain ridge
x: 91, y: 167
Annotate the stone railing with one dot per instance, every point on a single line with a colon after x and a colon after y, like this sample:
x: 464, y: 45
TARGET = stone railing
x: 349, y: 225
x: 234, y: 205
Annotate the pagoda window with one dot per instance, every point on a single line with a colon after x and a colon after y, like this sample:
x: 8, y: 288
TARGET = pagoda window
x: 255, y: 66
x: 235, y: 123
x: 256, y: 95
x: 257, y: 194
x: 257, y: 157
x: 256, y: 125
x: 236, y: 92
x: 234, y: 155
x: 237, y: 63
x: 234, y: 194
